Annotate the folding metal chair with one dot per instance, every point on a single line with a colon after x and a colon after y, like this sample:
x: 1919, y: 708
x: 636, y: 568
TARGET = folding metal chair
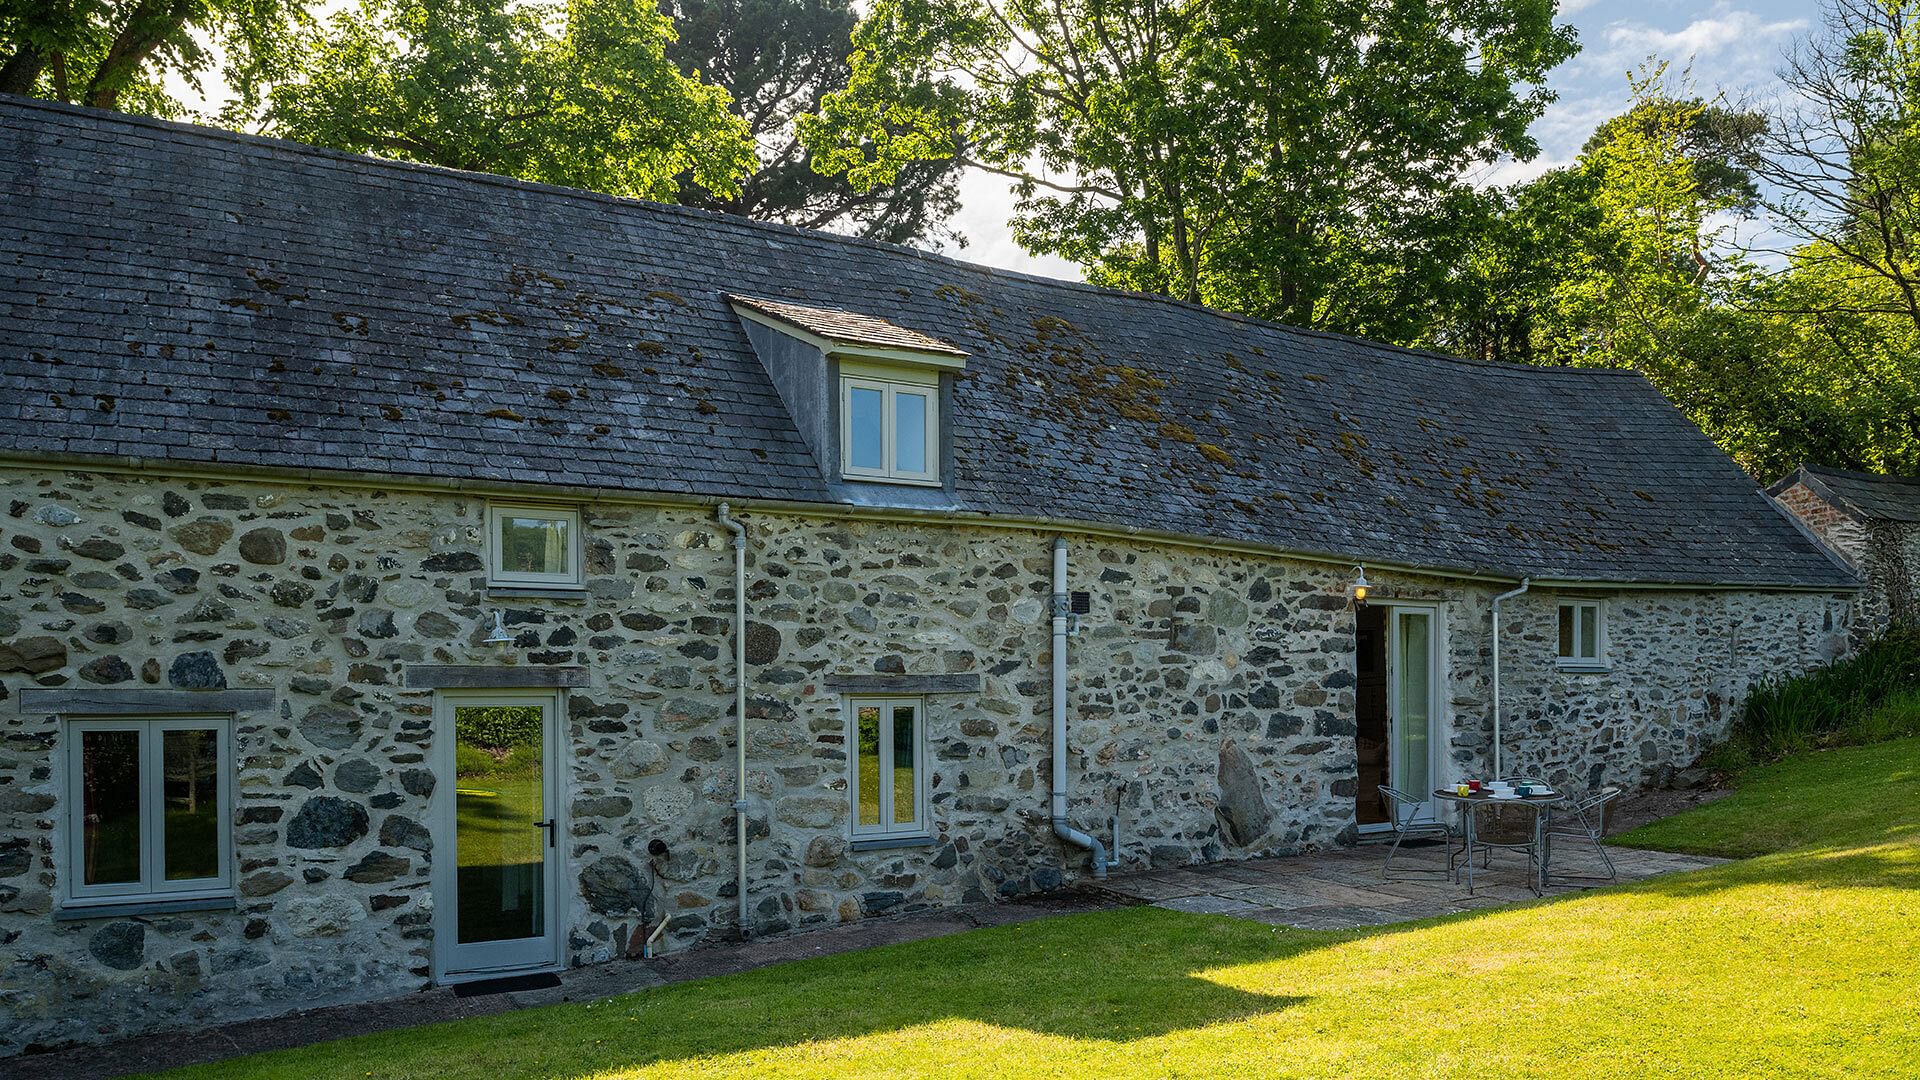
x: 1404, y: 812
x: 1585, y: 819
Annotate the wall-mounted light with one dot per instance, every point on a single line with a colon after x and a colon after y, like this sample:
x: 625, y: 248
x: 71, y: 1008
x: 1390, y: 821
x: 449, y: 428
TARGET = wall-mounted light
x: 1360, y: 587
x: 499, y: 636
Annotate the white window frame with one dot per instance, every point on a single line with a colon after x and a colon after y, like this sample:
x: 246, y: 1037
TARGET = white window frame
x: 153, y: 884
x: 890, y: 382
x: 888, y: 829
x: 1598, y: 661
x: 500, y: 577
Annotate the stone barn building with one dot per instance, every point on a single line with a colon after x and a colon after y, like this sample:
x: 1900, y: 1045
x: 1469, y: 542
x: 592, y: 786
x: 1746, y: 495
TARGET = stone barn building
x: 409, y: 576
x: 1873, y: 522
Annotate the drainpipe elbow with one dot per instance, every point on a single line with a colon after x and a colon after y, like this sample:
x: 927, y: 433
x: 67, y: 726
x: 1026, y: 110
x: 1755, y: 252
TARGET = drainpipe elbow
x: 1094, y: 847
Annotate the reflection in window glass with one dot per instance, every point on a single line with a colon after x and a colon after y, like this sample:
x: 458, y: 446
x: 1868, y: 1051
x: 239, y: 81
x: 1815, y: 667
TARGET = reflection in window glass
x: 500, y: 848
x: 534, y: 545
x: 190, y: 779
x: 110, y: 807
x: 866, y: 428
x: 1411, y: 727
x: 910, y: 432
x: 868, y: 766
x: 1589, y: 632
x: 904, y: 802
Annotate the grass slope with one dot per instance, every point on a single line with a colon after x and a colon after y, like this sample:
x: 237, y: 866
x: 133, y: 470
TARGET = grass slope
x: 1796, y: 963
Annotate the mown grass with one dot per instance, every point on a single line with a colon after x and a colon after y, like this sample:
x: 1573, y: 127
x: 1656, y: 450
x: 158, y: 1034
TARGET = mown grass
x: 1795, y: 963
x: 1832, y: 800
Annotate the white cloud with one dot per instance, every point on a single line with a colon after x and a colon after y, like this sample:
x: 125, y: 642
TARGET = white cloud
x: 1739, y: 42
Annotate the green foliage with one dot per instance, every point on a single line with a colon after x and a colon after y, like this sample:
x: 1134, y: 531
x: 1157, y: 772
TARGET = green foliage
x: 498, y: 728
x: 1298, y: 161
x: 581, y: 93
x: 778, y: 59
x: 1872, y: 694
x: 116, y: 54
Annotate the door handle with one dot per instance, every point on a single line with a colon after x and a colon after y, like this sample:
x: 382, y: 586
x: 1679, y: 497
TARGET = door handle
x: 548, y: 825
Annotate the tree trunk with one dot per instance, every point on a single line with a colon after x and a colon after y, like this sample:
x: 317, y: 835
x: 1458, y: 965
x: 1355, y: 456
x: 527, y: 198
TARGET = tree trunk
x: 148, y: 27
x: 22, y: 70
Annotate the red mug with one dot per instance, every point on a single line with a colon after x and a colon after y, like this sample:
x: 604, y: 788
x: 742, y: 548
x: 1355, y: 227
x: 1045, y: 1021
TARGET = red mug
x: 1473, y: 786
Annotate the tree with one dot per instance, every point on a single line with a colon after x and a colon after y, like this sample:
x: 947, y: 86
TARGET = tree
x: 581, y: 94
x: 778, y: 59
x: 1845, y: 155
x: 115, y: 54
x: 1293, y: 160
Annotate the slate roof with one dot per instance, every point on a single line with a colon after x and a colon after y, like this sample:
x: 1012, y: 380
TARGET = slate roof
x: 848, y: 327
x: 187, y: 295
x: 1868, y: 496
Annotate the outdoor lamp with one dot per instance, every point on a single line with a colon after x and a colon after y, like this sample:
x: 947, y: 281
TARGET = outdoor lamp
x: 1360, y: 585
x: 499, y: 636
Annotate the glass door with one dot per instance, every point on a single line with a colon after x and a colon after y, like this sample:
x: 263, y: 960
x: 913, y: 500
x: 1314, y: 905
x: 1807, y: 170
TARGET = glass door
x: 1412, y: 685
x: 495, y: 882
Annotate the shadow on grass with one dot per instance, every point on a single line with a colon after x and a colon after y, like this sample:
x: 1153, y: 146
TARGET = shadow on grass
x: 1106, y: 977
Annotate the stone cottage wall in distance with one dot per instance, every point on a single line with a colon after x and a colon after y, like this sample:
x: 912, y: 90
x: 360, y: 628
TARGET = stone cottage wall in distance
x: 1212, y: 713
x: 1885, y: 553
x: 1680, y: 666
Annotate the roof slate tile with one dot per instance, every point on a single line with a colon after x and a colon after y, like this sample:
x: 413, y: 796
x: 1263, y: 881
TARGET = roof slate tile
x: 252, y: 301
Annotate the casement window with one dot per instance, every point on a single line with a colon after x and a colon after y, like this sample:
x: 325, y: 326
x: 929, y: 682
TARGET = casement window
x: 533, y: 547
x: 889, y: 424
x: 1582, y: 640
x: 889, y: 781
x: 149, y: 809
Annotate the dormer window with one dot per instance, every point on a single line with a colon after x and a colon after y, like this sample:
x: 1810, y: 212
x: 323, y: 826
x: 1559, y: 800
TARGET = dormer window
x: 865, y: 393
x: 889, y: 424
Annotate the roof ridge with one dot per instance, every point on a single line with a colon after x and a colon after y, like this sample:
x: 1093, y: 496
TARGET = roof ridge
x: 230, y: 135
x: 1859, y: 474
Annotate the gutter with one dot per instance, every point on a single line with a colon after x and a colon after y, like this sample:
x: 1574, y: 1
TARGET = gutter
x: 1508, y: 595
x: 564, y: 493
x: 739, y: 710
x: 1062, y: 608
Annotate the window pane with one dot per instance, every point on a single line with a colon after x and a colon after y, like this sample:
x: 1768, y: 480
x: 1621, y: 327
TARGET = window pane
x: 1566, y: 631
x: 534, y: 545
x: 868, y: 765
x: 190, y: 778
x: 910, y: 431
x: 500, y: 850
x: 904, y: 802
x: 866, y: 433
x: 1590, y: 633
x: 110, y: 807
x: 1412, y: 726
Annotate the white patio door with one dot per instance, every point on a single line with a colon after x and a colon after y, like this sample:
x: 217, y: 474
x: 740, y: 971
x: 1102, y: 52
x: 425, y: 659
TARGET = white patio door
x: 1413, y: 700
x: 496, y: 849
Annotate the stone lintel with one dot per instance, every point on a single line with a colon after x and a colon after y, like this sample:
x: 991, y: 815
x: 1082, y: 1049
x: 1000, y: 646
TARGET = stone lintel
x: 903, y: 684
x: 491, y: 677
x: 142, y: 702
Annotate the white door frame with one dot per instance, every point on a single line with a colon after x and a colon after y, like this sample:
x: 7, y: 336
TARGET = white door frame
x: 454, y: 963
x: 1436, y: 699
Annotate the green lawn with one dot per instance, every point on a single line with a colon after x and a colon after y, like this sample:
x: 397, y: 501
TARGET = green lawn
x: 1795, y: 963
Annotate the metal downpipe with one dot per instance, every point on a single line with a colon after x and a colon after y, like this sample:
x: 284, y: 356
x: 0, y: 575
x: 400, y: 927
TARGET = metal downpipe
x: 739, y: 710
x: 1062, y: 608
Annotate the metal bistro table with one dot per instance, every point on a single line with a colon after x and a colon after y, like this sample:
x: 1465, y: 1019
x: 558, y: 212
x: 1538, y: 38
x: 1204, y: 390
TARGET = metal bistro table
x: 1525, y: 834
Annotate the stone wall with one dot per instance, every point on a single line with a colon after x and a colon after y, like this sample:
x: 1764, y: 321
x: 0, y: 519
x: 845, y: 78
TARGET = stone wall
x: 1886, y: 554
x: 1680, y: 665
x: 1213, y: 698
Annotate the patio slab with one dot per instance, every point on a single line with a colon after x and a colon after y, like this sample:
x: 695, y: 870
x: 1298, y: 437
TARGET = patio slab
x: 1342, y: 889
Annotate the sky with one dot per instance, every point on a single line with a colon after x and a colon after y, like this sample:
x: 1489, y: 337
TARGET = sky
x: 1731, y: 45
